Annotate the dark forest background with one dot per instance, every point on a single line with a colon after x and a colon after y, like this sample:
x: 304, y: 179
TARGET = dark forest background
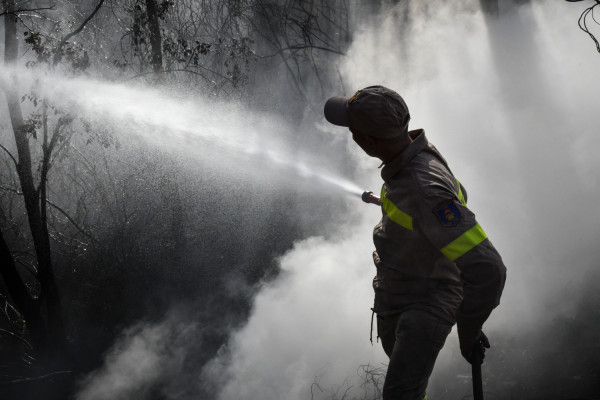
x: 98, y: 233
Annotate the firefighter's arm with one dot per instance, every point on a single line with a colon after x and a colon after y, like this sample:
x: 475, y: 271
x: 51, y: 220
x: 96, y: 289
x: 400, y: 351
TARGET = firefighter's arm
x: 483, y: 274
x: 453, y: 229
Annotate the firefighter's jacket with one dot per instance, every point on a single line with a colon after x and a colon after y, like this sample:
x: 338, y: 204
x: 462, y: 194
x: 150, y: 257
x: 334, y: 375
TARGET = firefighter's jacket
x: 430, y: 251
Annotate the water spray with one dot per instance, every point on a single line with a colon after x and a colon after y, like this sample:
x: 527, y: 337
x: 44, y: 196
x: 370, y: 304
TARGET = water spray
x: 370, y: 198
x: 199, y: 127
x: 185, y: 121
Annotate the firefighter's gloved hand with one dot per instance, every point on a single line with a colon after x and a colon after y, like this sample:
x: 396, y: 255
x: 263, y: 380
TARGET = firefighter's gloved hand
x: 472, y: 341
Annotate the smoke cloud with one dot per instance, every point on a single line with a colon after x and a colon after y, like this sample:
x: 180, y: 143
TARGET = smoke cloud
x: 510, y: 103
x: 134, y: 364
x: 507, y: 102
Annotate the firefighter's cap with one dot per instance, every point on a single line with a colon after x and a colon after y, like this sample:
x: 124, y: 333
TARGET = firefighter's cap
x: 375, y: 111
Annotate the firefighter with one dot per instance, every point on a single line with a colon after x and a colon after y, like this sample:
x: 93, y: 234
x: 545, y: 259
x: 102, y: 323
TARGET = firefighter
x: 435, y: 265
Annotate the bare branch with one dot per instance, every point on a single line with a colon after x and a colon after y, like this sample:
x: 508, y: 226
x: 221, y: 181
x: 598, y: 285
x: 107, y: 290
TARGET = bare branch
x: 10, y: 154
x: 75, y: 32
x: 29, y: 266
x: 588, y: 12
x: 9, y: 309
x: 21, y: 10
x: 303, y: 47
x: 14, y: 335
x: 68, y: 217
x: 164, y: 71
x: 38, y: 378
x: 63, y: 212
x: 11, y: 190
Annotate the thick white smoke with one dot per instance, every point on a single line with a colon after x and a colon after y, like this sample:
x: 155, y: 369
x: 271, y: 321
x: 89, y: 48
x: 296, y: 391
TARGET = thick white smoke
x: 306, y: 326
x: 142, y: 357
x: 510, y: 104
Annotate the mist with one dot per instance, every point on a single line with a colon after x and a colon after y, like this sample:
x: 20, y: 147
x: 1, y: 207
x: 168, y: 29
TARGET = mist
x: 508, y: 102
x: 265, y: 290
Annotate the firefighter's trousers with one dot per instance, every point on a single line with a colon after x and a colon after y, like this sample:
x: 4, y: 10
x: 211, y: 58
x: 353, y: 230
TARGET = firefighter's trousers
x: 412, y: 341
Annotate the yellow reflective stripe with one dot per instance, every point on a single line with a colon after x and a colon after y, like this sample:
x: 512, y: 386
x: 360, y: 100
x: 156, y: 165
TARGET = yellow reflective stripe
x: 395, y: 214
x: 464, y: 243
x: 461, y: 197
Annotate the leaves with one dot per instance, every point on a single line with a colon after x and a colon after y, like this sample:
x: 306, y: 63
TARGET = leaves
x: 45, y: 47
x: 38, y: 44
x: 30, y: 126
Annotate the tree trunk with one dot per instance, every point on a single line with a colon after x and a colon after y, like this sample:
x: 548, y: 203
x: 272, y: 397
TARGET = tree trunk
x: 155, y: 37
x: 22, y: 299
x: 54, y: 346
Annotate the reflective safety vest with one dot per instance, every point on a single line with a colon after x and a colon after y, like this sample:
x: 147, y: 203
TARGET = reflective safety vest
x: 457, y: 247
x: 428, y: 242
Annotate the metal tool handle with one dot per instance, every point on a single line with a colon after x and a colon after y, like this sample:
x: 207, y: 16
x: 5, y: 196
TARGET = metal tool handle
x: 476, y: 372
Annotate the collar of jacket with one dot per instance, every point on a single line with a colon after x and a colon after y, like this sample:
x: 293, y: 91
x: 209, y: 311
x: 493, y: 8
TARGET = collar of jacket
x: 418, y: 144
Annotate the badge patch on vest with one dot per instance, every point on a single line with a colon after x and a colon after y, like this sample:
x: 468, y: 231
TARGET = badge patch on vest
x: 448, y: 213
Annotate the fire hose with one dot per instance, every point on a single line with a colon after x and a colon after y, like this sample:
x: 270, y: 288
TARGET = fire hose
x: 370, y: 198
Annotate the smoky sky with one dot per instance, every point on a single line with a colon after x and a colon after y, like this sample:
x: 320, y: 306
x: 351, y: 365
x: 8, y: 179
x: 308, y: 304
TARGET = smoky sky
x: 509, y: 102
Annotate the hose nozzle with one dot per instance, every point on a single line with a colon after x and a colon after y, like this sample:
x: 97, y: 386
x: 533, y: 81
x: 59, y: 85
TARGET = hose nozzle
x: 369, y: 197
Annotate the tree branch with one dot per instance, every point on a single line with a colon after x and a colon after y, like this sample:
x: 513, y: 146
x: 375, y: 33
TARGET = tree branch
x: 14, y: 335
x: 63, y: 212
x: 10, y: 154
x: 64, y: 40
x: 15, y: 12
x: 582, y: 22
x: 38, y: 378
x: 164, y: 71
x: 80, y: 229
x: 304, y: 47
x: 14, y: 283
